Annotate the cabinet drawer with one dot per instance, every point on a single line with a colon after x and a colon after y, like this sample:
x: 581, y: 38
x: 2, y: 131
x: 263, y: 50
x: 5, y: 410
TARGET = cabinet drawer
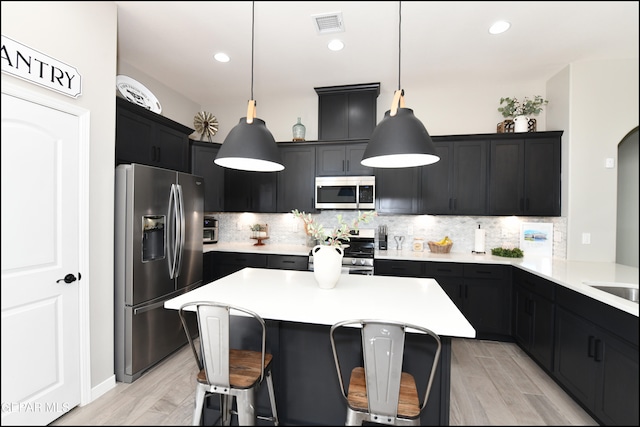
x: 398, y: 268
x: 535, y: 284
x: 288, y: 262
x: 244, y: 259
x: 443, y: 269
x: 485, y: 271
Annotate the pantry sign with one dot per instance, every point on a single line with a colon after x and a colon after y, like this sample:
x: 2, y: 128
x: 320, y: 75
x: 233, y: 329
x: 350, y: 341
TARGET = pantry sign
x: 28, y: 64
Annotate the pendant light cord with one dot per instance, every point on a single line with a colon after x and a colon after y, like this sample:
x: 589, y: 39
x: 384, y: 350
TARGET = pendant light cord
x: 399, y: 40
x: 253, y: 20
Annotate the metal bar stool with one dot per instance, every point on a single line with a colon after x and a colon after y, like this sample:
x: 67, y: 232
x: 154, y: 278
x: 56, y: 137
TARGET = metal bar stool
x: 231, y: 373
x: 380, y: 391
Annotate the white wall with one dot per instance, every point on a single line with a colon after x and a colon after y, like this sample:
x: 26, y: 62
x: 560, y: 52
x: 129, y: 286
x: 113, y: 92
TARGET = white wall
x: 603, y: 100
x: 83, y: 34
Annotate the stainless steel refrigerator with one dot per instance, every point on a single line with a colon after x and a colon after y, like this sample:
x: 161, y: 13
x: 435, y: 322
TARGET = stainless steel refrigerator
x: 158, y: 255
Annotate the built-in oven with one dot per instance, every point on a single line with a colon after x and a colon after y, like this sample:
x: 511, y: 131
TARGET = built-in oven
x: 358, y: 253
x: 345, y: 192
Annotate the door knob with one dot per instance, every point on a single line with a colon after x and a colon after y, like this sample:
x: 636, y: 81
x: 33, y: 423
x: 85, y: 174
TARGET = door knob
x: 69, y: 278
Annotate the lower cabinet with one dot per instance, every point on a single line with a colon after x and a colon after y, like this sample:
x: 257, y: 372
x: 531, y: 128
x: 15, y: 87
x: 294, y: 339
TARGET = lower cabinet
x: 533, y: 316
x: 482, y: 292
x: 398, y: 268
x: 596, y: 357
x: 222, y: 264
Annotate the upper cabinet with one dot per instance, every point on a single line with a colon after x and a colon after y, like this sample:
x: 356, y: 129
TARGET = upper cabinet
x: 347, y: 112
x: 295, y: 184
x: 246, y: 191
x: 150, y: 139
x: 202, y: 156
x: 341, y: 159
x: 457, y: 183
x: 524, y: 174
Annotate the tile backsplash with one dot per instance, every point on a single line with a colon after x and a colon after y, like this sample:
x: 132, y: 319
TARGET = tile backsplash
x: 500, y: 231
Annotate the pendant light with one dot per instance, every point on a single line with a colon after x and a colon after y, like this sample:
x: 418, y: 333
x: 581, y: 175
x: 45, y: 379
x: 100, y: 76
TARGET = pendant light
x: 400, y: 140
x: 249, y: 145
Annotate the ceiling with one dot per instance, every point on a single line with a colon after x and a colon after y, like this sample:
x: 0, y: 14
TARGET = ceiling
x: 174, y: 42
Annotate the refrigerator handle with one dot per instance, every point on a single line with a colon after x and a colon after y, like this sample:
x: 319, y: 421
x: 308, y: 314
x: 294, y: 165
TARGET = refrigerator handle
x: 175, y: 235
x: 181, y: 227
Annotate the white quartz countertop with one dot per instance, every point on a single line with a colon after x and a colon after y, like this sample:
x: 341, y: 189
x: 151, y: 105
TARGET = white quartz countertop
x: 295, y: 296
x: 571, y: 274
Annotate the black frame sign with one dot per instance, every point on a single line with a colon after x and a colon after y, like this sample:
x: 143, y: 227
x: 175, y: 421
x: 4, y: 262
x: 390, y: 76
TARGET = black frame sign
x: 28, y: 64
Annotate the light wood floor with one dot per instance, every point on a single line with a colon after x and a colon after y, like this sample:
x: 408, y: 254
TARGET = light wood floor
x: 492, y: 383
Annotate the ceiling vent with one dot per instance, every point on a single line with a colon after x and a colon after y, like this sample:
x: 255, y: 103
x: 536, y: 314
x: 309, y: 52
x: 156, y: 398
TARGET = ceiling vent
x: 328, y: 23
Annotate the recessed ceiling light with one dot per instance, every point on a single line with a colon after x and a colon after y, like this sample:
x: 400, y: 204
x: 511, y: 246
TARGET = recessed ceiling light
x: 499, y: 27
x: 221, y: 57
x: 335, y: 45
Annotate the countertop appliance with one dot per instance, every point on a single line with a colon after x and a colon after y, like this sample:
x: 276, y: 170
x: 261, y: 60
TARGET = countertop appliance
x: 358, y: 253
x: 158, y: 256
x: 345, y: 192
x: 210, y: 230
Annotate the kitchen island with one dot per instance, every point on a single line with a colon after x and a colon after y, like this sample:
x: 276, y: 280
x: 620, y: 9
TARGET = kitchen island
x: 299, y: 314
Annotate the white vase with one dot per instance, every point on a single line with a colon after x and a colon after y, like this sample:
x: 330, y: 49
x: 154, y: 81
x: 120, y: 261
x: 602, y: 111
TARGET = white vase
x: 327, y: 265
x: 521, y: 124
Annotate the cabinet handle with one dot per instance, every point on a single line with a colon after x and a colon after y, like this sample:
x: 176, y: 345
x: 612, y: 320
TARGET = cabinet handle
x: 343, y: 166
x: 599, y: 354
x: 591, y: 349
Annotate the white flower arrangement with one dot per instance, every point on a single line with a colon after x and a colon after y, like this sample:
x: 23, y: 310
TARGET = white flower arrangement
x: 340, y: 233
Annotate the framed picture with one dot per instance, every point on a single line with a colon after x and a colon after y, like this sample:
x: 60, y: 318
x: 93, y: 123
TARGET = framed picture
x: 536, y: 238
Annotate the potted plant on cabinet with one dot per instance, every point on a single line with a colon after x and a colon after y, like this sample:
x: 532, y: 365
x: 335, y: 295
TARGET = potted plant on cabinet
x: 521, y: 111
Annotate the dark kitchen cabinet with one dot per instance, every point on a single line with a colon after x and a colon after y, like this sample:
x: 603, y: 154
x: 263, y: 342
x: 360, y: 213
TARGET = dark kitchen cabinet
x: 295, y: 184
x: 533, y: 316
x: 347, y: 112
x: 208, y: 271
x: 150, y: 139
x: 341, y: 159
x: 482, y: 292
x: 596, y: 357
x: 397, y: 190
x: 288, y: 262
x: 246, y: 191
x: 524, y: 174
x: 224, y: 263
x: 202, y: 156
x: 457, y: 183
x: 399, y: 268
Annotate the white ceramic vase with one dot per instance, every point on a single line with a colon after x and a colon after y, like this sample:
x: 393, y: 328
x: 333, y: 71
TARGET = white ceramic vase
x: 327, y: 265
x: 521, y: 124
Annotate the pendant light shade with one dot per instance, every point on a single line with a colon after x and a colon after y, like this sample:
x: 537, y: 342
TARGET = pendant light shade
x: 400, y: 140
x: 249, y: 145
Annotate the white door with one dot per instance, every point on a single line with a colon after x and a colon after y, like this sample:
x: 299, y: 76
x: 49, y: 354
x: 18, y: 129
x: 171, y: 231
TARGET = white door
x: 40, y: 246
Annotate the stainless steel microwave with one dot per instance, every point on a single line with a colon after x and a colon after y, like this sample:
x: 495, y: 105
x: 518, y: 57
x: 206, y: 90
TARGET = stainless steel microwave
x: 345, y: 192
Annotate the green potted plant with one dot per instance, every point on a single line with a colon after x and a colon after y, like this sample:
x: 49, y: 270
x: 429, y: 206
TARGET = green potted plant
x: 521, y: 111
